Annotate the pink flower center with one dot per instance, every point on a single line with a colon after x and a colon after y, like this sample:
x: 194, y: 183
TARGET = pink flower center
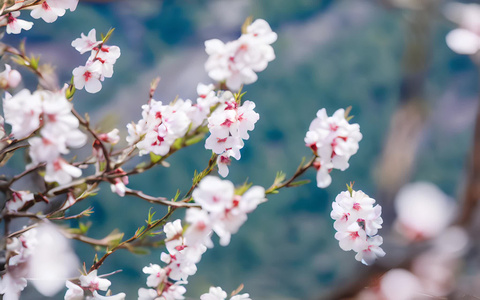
x: 45, y: 6
x: 201, y: 226
x: 227, y: 123
x: 87, y: 75
x: 356, y: 206
x: 10, y: 19
x: 354, y: 235
x: 225, y: 160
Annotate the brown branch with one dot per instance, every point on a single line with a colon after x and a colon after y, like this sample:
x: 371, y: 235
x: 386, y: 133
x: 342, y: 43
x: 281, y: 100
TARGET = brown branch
x: 158, y: 200
x: 472, y: 190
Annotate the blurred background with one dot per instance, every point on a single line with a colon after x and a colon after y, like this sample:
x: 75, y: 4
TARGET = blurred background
x: 414, y: 98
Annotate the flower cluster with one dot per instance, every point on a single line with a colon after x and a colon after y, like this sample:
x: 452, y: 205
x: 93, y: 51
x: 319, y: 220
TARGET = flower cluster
x: 229, y: 125
x: 19, y: 251
x: 51, y: 111
x: 237, y: 61
x: 180, y: 261
x: 99, y: 65
x: 216, y: 293
x: 90, y: 284
x: 48, y: 10
x: 357, y: 222
x: 222, y: 211
x: 333, y: 140
x: 160, y: 126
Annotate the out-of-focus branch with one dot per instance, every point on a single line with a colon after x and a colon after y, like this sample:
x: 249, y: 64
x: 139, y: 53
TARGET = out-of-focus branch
x: 472, y: 188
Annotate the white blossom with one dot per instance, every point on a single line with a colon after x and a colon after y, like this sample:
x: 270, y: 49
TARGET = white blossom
x: 48, y: 12
x: 22, y: 112
x: 237, y: 62
x: 10, y: 79
x: 15, y: 25
x: 214, y: 293
x: 334, y: 141
x: 357, y: 221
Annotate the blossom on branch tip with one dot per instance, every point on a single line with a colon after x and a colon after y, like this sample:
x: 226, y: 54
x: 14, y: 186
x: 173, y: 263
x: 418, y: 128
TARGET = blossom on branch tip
x: 47, y: 11
x: 333, y: 140
x: 357, y: 221
x: 222, y: 211
x: 18, y: 200
x: 86, y: 43
x: 237, y: 62
x: 93, y: 283
x: 15, y: 25
x: 99, y: 65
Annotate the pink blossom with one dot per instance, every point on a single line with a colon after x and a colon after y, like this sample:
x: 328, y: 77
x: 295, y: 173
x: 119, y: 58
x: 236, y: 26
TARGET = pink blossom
x: 22, y: 112
x: 157, y: 276
x: 334, y: 141
x: 15, y: 25
x: 60, y: 171
x: 48, y: 12
x: 18, y: 200
x: 214, y: 293
x: 89, y: 77
x: 86, y: 43
x: 92, y: 282
x: 10, y: 79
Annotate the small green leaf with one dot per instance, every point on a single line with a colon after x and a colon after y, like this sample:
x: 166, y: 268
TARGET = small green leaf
x: 299, y: 182
x: 195, y: 139
x: 154, y: 158
x: 176, y: 196
x: 178, y: 144
x: 139, y: 231
x: 139, y: 250
x: 243, y: 188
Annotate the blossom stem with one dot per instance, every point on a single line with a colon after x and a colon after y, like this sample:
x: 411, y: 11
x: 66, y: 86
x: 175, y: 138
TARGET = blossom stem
x: 287, y: 183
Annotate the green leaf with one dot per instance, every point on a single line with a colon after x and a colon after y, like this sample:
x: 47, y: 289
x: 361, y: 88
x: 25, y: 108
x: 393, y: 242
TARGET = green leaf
x: 150, y: 216
x: 299, y: 182
x: 178, y: 144
x: 139, y: 250
x: 139, y: 231
x: 176, y: 196
x: 243, y: 188
x: 195, y: 139
x: 155, y: 158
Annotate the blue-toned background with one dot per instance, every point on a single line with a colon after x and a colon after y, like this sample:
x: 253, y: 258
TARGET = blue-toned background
x: 331, y: 54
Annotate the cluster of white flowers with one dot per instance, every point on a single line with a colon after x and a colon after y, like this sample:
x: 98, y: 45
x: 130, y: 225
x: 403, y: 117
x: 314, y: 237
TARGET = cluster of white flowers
x: 90, y: 284
x: 237, y: 61
x: 48, y: 10
x: 51, y: 111
x: 160, y: 126
x: 333, y: 140
x: 99, y: 65
x: 222, y: 211
x: 466, y: 39
x: 181, y: 260
x: 229, y: 125
x: 19, y: 251
x: 357, y: 222
x: 216, y: 293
